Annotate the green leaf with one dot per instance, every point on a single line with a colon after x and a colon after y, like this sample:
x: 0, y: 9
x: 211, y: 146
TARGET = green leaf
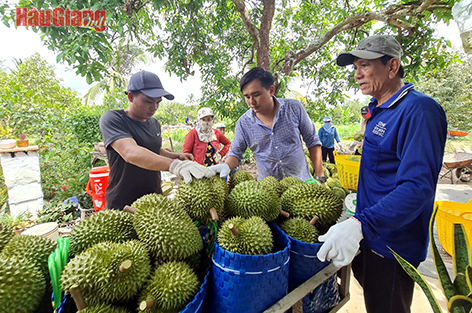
x: 459, y: 303
x: 416, y: 276
x: 460, y: 283
x: 441, y: 270
x: 460, y: 251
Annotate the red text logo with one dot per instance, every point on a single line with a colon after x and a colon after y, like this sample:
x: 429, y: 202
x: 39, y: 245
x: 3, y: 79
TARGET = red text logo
x: 61, y: 17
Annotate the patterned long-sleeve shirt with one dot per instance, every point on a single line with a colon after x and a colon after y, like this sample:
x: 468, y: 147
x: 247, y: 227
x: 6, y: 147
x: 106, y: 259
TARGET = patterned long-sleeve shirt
x: 278, y: 151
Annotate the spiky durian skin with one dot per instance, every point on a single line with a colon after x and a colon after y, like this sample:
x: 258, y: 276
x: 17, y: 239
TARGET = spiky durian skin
x: 237, y: 178
x: 6, y: 234
x: 254, y: 238
x: 34, y: 248
x: 104, y: 308
x: 198, y: 197
x: 309, y: 200
x: 289, y: 181
x: 96, y: 272
x: 166, y: 228
x: 300, y: 229
x: 272, y: 183
x: 22, y: 285
x: 107, y: 225
x: 172, y: 286
x: 252, y: 199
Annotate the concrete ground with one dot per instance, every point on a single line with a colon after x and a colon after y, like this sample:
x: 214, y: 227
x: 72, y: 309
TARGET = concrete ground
x: 457, y: 192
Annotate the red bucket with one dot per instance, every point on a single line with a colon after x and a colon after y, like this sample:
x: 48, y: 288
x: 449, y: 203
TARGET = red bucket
x: 97, y: 186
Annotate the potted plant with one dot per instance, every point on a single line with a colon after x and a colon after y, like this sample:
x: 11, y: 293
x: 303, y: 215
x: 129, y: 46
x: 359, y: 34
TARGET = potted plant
x: 457, y: 291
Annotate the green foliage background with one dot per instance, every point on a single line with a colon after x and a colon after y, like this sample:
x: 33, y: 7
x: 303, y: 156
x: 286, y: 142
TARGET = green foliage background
x: 53, y: 117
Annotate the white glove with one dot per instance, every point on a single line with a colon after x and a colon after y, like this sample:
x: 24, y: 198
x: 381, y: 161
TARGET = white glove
x: 341, y: 242
x: 340, y: 146
x: 223, y: 169
x: 186, y: 169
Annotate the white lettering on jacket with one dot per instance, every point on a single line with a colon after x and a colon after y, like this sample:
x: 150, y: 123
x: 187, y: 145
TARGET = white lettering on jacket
x: 379, y: 129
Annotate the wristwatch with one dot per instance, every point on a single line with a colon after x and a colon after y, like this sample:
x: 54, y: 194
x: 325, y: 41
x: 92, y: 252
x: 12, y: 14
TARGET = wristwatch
x: 321, y: 179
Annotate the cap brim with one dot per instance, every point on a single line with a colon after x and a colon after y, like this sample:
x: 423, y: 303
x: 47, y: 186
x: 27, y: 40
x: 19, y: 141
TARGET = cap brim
x: 349, y: 57
x: 157, y: 93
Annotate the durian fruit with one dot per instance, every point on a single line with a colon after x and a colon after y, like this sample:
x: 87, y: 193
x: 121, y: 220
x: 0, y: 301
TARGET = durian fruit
x: 237, y: 178
x: 249, y: 198
x: 165, y: 228
x: 309, y: 200
x: 22, y: 285
x: 301, y: 229
x: 359, y: 137
x: 6, y: 233
x: 272, y: 183
x: 310, y: 164
x: 104, y: 308
x: 202, y: 196
x: 108, y: 272
x: 339, y: 192
x: 246, y: 236
x: 171, y: 287
x: 333, y: 182
x: 107, y: 225
x: 289, y: 181
x: 34, y: 248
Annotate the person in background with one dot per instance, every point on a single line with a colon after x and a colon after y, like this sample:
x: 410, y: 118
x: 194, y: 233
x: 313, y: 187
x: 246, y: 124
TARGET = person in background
x: 187, y: 119
x: 222, y: 129
x: 133, y: 142
x: 363, y: 122
x: 328, y: 134
x: 364, y: 117
x: 401, y: 160
x: 272, y: 128
x: 203, y: 141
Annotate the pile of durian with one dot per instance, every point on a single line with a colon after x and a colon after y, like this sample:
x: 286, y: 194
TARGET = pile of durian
x: 24, y: 274
x: 148, y: 257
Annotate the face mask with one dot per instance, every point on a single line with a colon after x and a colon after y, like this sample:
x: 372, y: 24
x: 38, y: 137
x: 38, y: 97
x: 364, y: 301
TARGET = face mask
x: 204, y: 126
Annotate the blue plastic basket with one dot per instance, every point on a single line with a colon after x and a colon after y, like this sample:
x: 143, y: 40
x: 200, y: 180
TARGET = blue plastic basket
x: 249, y: 283
x: 198, y: 302
x: 304, y: 264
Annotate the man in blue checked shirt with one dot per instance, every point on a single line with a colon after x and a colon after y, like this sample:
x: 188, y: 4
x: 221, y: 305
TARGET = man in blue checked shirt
x: 401, y: 160
x: 272, y: 129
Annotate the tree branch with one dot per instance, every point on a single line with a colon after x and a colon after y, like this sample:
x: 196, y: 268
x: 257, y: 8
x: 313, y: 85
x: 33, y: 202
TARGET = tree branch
x: 390, y: 16
x: 251, y: 28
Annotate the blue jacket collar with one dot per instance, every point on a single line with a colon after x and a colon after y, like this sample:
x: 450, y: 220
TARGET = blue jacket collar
x: 395, y: 98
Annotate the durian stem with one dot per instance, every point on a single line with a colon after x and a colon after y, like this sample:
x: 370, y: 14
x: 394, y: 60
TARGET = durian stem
x: 124, y: 267
x: 214, y: 214
x: 129, y: 209
x: 233, y: 229
x: 284, y: 214
x: 314, y: 220
x: 76, y: 294
x: 149, y: 303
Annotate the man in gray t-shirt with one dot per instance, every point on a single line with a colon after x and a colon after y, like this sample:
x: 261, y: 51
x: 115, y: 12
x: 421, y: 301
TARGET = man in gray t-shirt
x: 133, y: 141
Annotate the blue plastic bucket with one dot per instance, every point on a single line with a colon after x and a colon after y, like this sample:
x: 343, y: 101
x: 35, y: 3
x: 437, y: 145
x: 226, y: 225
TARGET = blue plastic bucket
x: 249, y: 283
x: 303, y: 265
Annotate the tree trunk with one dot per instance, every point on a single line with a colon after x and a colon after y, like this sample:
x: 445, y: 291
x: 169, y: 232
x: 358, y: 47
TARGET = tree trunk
x: 263, y: 59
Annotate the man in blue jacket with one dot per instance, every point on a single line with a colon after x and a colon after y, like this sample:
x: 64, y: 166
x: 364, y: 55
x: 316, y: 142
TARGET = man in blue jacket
x: 401, y: 160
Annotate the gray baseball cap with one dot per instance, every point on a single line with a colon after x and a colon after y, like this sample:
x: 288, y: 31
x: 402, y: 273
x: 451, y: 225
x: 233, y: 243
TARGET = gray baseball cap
x: 371, y: 48
x: 149, y: 84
